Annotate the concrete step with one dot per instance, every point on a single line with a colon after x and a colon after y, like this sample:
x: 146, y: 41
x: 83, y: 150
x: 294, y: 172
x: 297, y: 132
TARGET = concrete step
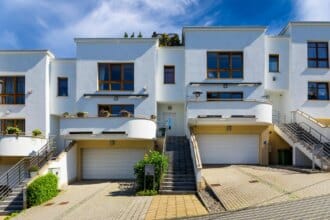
x: 12, y: 202
x: 176, y: 192
x: 175, y: 184
x: 11, y: 206
x: 184, y: 187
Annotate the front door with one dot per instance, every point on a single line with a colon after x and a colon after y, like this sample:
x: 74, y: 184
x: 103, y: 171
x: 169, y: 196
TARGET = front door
x: 170, y: 122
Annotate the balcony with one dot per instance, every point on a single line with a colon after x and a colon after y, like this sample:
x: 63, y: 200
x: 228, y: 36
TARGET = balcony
x: 87, y: 128
x: 20, y: 146
x: 232, y: 112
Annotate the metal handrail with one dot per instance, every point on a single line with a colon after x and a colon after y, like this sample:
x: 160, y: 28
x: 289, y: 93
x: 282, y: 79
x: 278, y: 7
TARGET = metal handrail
x: 194, y: 143
x: 18, y: 173
x: 310, y: 129
x: 309, y: 117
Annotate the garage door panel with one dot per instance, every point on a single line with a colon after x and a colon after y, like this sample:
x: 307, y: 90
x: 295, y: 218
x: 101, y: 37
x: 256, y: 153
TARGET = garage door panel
x: 110, y: 163
x: 229, y: 149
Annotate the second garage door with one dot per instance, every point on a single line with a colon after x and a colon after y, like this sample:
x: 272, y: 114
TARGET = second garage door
x: 105, y: 163
x: 229, y: 149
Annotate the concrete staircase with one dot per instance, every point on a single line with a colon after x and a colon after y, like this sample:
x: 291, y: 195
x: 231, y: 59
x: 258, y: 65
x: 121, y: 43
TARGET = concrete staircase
x: 180, y: 178
x: 14, y: 202
x: 306, y: 142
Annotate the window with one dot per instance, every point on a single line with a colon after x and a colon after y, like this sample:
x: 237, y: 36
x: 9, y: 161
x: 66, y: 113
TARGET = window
x: 318, y: 55
x: 274, y: 63
x: 318, y: 91
x: 169, y: 74
x: 222, y: 96
x: 62, y: 86
x: 116, y: 77
x: 12, y: 90
x: 19, y: 123
x: 224, y: 65
x: 115, y: 110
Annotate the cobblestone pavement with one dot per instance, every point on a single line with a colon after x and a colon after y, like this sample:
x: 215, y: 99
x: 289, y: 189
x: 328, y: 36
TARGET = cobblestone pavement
x: 308, y: 208
x: 175, y: 206
x: 239, y: 186
x: 84, y: 201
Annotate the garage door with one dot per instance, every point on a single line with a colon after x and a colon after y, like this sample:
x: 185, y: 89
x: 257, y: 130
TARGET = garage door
x: 228, y: 149
x: 98, y: 163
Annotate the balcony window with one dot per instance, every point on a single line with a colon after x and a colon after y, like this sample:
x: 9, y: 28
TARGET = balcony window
x: 19, y: 123
x: 116, y: 76
x: 274, y: 63
x: 318, y: 55
x: 318, y: 91
x: 224, y: 96
x: 62, y: 86
x: 224, y: 65
x: 115, y: 110
x: 12, y: 90
x: 169, y: 74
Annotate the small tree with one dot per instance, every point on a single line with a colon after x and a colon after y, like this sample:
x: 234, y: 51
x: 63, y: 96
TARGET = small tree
x: 154, y: 34
x: 132, y: 35
x: 174, y: 41
x: 125, y: 35
x: 140, y: 35
x: 163, y: 40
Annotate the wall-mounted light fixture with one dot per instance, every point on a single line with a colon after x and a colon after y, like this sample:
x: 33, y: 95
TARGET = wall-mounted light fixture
x: 112, y: 142
x: 197, y: 93
x: 29, y: 92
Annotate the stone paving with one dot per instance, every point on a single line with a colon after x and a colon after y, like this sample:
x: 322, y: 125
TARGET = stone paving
x: 175, y: 206
x: 239, y: 187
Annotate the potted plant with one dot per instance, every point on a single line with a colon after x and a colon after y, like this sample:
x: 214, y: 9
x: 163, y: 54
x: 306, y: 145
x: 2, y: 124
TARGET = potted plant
x: 36, y: 132
x: 124, y: 113
x: 33, y: 170
x: 82, y: 114
x: 153, y: 117
x: 66, y: 115
x: 13, y: 130
x: 104, y: 113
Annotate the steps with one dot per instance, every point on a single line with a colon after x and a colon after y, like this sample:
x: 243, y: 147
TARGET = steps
x: 13, y: 202
x: 180, y: 178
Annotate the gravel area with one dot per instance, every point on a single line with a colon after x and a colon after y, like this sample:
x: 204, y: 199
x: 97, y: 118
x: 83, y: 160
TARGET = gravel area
x: 210, y: 201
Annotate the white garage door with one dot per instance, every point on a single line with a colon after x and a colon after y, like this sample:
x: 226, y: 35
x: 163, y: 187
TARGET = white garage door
x: 228, y: 149
x: 98, y: 163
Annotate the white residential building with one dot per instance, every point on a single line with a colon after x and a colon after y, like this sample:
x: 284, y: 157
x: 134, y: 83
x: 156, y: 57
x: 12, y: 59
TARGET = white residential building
x: 224, y: 88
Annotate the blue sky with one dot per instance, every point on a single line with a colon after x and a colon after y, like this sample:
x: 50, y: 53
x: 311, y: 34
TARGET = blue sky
x: 52, y: 24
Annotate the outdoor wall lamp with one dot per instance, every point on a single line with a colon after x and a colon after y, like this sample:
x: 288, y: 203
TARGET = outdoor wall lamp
x: 197, y: 93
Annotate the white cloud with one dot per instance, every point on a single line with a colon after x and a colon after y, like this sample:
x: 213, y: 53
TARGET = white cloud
x: 313, y: 10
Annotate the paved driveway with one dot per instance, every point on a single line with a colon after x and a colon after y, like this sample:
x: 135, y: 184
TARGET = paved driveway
x: 239, y: 187
x: 92, y: 200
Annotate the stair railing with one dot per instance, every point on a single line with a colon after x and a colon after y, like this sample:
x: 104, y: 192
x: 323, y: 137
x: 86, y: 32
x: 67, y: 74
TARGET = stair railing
x: 196, y: 155
x: 18, y: 173
x: 310, y: 118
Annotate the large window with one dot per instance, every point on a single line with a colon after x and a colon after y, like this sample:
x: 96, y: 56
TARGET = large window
x: 19, y: 123
x: 318, y: 55
x: 169, y: 74
x: 116, y: 76
x: 115, y: 110
x: 223, y: 96
x: 224, y: 65
x: 62, y: 86
x: 274, y: 63
x: 12, y: 90
x: 318, y: 91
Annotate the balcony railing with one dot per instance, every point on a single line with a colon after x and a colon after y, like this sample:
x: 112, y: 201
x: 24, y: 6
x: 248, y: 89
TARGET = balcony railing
x: 237, y: 111
x: 105, y: 127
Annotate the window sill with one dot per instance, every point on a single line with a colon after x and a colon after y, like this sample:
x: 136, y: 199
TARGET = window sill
x: 318, y: 100
x: 318, y: 68
x: 274, y: 72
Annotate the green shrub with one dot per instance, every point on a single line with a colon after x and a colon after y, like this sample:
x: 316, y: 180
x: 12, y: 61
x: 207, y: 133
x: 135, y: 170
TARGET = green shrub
x: 150, y: 192
x: 34, y: 169
x: 42, y: 189
x: 159, y: 161
x: 36, y: 132
x: 12, y: 130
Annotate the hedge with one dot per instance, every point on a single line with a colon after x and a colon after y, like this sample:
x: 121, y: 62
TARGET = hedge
x: 42, y: 189
x: 159, y: 161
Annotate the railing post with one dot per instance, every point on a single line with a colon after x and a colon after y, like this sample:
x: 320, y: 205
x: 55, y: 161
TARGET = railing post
x: 19, y: 173
x: 313, y: 158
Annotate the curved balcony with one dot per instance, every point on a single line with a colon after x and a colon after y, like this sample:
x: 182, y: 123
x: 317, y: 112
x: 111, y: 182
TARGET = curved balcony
x: 107, y: 128
x: 233, y: 112
x: 20, y: 146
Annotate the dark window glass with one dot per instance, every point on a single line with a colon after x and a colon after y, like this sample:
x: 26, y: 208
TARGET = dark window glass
x: 115, y: 110
x: 218, y: 96
x: 273, y: 63
x: 19, y: 123
x: 12, y: 90
x: 318, y: 91
x: 224, y: 65
x: 169, y: 74
x: 119, y: 77
x: 62, y: 84
x: 318, y: 55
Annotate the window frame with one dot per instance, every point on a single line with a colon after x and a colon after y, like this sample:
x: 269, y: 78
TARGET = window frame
x: 278, y: 63
x: 317, y: 59
x: 109, y: 107
x: 14, y: 95
x: 3, y: 125
x: 121, y: 82
x: 169, y: 66
x: 317, y: 89
x: 219, y: 99
x: 58, y: 85
x: 230, y: 70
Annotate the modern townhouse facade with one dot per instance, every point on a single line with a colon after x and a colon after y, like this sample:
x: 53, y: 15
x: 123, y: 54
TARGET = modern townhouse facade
x: 224, y: 89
